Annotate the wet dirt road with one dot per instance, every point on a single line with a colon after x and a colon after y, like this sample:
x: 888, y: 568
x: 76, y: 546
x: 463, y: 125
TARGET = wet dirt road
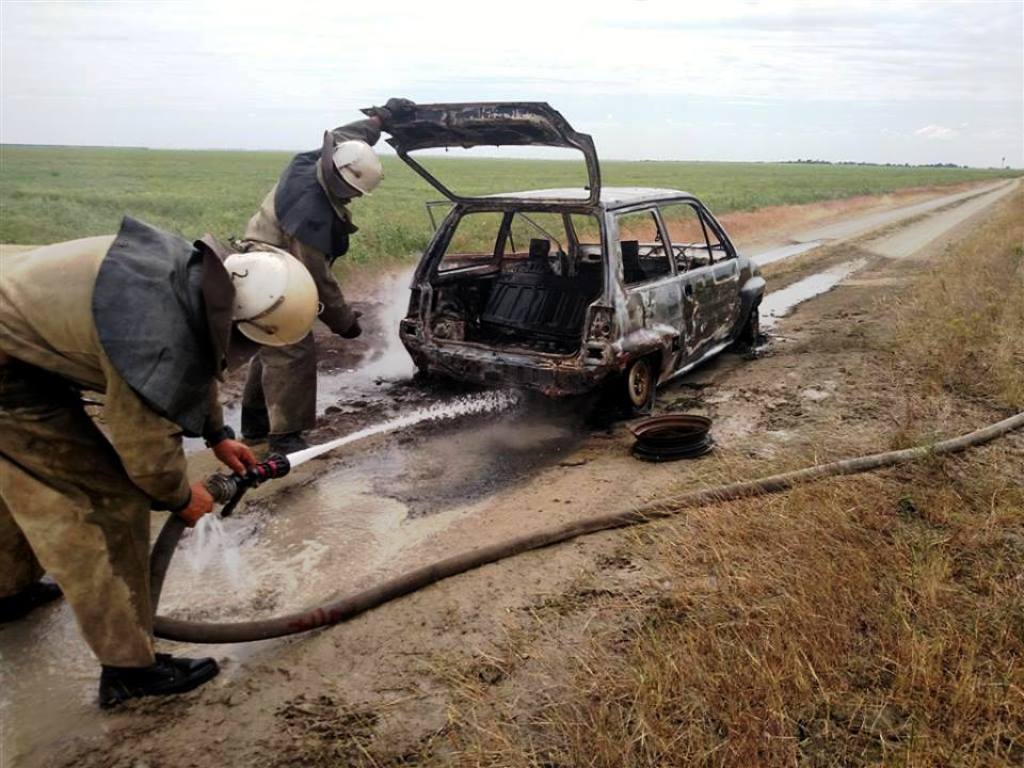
x: 400, y: 500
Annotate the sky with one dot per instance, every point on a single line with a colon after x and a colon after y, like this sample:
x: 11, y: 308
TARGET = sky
x: 917, y: 82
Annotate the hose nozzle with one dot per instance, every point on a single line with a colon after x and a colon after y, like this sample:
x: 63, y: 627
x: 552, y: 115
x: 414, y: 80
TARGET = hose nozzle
x: 229, y: 489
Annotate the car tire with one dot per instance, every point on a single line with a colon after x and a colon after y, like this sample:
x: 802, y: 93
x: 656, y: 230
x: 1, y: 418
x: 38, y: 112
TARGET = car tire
x: 751, y: 330
x: 637, y: 386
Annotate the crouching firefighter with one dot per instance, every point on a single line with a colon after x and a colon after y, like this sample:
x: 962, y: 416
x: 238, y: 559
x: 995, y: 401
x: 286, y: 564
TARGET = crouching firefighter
x: 306, y: 214
x: 151, y: 322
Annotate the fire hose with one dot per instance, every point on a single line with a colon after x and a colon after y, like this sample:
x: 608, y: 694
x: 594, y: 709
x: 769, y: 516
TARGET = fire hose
x: 352, y: 605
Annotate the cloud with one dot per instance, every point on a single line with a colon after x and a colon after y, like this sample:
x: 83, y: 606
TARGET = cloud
x: 786, y: 77
x: 940, y: 132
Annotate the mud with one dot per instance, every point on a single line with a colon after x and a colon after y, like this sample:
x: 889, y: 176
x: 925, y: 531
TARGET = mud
x: 403, y: 499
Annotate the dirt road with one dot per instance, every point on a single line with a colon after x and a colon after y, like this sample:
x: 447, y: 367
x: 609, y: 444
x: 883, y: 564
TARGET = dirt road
x: 399, y: 501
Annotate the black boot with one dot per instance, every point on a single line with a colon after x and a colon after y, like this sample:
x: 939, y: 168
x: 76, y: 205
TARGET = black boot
x: 255, y: 423
x: 17, y: 605
x: 168, y: 675
x: 287, y: 442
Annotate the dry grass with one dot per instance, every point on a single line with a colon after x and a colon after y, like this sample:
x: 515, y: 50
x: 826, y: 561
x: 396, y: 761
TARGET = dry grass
x: 871, y: 620
x: 962, y: 329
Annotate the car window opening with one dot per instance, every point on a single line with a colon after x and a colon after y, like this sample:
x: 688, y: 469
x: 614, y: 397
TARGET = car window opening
x: 519, y: 279
x: 694, y: 242
x: 644, y: 255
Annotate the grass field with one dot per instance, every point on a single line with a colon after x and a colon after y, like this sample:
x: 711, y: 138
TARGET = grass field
x: 49, y: 194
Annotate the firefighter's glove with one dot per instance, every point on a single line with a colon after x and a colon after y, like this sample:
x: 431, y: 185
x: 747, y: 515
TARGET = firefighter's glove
x: 355, y: 330
x: 400, y: 108
x: 394, y: 109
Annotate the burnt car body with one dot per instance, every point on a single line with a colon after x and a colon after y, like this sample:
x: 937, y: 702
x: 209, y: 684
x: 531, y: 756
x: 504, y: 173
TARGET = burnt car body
x: 562, y: 290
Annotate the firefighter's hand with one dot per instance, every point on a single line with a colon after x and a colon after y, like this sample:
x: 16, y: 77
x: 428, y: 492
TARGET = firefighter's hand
x: 394, y: 109
x: 234, y: 455
x: 199, y: 504
x: 400, y: 108
x: 355, y: 330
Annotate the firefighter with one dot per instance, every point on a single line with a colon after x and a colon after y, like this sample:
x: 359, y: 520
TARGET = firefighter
x: 306, y: 213
x: 151, y: 322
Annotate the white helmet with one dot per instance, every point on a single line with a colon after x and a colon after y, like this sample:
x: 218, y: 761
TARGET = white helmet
x: 358, y: 165
x: 275, y: 297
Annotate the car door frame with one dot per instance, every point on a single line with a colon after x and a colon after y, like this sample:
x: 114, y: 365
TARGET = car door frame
x: 696, y: 288
x: 643, y: 300
x: 725, y: 275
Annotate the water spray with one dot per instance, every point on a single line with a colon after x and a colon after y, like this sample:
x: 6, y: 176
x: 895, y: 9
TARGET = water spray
x: 229, y: 489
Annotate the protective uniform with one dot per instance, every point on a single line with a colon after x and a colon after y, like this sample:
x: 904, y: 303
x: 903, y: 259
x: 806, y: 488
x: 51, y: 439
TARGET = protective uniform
x: 305, y: 216
x: 126, y: 316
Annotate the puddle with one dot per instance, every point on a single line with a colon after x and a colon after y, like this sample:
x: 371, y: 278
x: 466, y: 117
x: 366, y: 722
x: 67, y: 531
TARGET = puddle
x: 392, y: 363
x: 780, y: 303
x: 784, y: 252
x: 388, y: 365
x: 285, y: 552
x: 48, y: 680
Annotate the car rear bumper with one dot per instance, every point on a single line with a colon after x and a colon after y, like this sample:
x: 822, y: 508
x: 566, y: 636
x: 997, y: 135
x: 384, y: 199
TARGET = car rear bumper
x: 553, y: 376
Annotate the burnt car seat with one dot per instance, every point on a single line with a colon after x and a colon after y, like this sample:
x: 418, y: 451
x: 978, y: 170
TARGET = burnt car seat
x: 537, y: 261
x: 632, y: 272
x: 531, y: 300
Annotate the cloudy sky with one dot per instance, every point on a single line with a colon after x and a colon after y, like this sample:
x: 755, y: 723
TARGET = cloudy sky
x: 885, y: 81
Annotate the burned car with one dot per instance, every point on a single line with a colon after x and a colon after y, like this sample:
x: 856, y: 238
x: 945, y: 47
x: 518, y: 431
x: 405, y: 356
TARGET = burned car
x: 567, y: 290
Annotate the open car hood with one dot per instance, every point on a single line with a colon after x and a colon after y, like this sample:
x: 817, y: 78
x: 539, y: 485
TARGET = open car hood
x: 474, y: 124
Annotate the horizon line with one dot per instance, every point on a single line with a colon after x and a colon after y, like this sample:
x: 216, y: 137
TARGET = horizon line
x: 797, y: 161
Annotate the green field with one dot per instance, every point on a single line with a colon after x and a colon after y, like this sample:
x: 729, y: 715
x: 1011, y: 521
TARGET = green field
x: 49, y: 194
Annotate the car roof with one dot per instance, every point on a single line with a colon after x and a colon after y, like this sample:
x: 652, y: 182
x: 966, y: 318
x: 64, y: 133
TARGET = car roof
x: 611, y: 197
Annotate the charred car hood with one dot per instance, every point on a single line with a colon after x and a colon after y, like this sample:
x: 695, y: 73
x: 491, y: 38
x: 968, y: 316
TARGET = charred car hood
x: 474, y: 124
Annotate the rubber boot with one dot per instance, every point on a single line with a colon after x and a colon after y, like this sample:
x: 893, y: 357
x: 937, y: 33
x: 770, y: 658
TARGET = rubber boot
x: 18, y: 605
x: 167, y: 676
x: 287, y: 442
x: 255, y: 423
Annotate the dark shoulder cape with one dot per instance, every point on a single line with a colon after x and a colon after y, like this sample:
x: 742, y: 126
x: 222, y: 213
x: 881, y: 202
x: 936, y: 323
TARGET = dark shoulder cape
x: 152, y: 319
x: 305, y: 213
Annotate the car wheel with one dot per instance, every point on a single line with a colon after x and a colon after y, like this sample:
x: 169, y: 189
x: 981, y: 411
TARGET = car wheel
x: 752, y: 328
x: 638, y: 383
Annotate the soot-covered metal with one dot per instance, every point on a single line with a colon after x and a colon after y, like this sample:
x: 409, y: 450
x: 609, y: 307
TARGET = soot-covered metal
x: 591, y: 302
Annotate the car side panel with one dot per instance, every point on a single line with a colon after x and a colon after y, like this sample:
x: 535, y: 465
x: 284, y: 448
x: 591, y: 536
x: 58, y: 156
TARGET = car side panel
x: 724, y: 305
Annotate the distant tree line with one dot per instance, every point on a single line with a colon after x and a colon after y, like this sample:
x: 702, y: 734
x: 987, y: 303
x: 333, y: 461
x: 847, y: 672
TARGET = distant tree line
x: 809, y: 161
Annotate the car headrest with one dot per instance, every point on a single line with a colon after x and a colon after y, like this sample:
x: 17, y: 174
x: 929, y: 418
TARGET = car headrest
x: 630, y: 251
x: 539, y: 248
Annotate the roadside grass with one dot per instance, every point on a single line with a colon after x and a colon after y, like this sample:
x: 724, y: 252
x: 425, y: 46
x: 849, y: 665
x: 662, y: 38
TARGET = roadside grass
x: 869, y: 620
x: 962, y: 329
x: 49, y: 194
x: 855, y: 622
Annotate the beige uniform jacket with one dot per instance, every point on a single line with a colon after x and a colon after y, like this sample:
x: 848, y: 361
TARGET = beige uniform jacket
x: 264, y: 228
x: 46, y: 321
